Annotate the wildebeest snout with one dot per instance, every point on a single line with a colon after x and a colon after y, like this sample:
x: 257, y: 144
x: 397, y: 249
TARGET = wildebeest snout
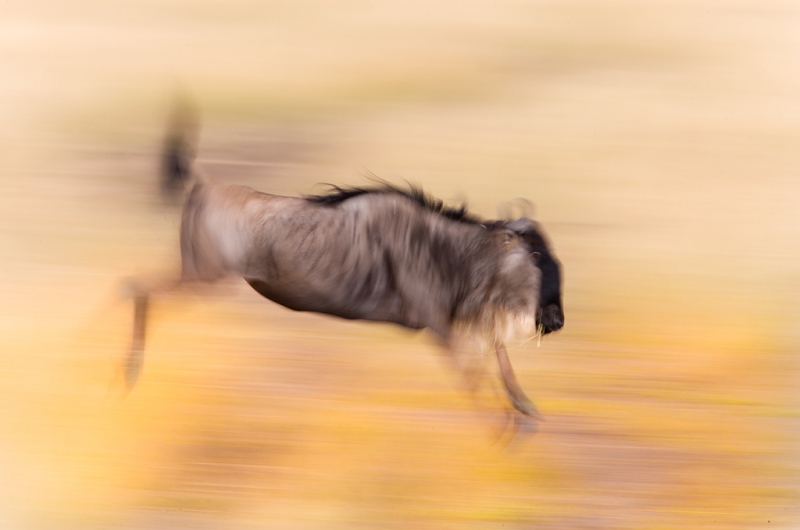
x: 552, y: 318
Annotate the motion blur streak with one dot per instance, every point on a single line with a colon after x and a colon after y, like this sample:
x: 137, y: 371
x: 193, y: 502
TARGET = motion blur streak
x: 658, y: 141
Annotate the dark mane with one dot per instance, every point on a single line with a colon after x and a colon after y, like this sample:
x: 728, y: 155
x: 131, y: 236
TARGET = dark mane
x: 415, y: 194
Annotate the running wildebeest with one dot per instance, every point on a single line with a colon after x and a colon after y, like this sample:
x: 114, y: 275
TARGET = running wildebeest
x: 381, y: 254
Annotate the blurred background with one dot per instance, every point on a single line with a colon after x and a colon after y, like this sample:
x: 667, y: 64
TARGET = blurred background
x: 657, y: 139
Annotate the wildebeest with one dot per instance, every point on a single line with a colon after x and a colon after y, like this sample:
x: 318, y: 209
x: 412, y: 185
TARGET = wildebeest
x: 382, y: 254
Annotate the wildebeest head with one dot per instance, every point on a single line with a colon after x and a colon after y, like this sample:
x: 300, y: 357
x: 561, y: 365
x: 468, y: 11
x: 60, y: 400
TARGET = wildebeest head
x: 550, y: 314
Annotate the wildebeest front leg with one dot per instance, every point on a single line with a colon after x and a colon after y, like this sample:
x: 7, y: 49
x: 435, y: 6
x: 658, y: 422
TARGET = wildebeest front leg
x: 514, y: 392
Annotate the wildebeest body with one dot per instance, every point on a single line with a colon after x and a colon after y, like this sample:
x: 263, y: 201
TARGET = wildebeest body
x: 380, y: 256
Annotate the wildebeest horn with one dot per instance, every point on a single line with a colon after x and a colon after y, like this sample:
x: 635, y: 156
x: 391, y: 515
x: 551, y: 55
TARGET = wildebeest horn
x: 504, y: 211
x: 520, y: 225
x: 507, y: 210
x: 526, y: 207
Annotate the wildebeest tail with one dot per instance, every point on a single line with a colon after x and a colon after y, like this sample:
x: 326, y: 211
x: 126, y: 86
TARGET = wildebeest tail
x: 180, y: 149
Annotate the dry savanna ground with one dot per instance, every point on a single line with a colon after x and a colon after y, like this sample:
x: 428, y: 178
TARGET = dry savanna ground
x: 657, y: 139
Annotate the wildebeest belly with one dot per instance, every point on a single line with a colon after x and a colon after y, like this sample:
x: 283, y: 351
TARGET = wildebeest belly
x: 336, y: 301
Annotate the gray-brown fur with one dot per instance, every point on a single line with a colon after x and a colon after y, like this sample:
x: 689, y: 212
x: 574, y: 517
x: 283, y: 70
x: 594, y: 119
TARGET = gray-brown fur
x: 382, y: 254
x: 375, y: 256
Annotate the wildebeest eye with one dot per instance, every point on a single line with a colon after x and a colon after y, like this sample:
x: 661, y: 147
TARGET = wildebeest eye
x: 536, y: 255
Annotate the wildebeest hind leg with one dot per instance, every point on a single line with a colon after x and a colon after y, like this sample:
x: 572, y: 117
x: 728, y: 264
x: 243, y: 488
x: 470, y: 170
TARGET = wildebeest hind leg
x: 133, y: 360
x: 141, y: 292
